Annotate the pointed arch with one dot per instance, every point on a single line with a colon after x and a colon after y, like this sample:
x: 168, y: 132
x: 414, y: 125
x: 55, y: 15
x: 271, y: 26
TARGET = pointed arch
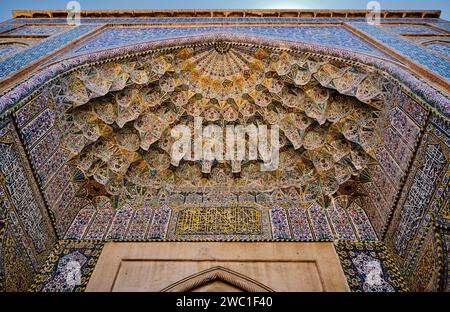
x: 217, y: 273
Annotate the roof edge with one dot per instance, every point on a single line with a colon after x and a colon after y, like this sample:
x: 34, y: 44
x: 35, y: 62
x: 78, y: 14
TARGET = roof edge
x: 230, y: 13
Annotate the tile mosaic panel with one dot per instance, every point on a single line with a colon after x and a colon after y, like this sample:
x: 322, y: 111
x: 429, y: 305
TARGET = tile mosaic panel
x: 179, y: 20
x: 119, y: 224
x: 419, y: 196
x: 327, y: 35
x: 45, y: 147
x: 38, y: 30
x: 368, y: 267
x: 373, y: 214
x: 444, y: 238
x: 341, y: 223
x: 320, y: 223
x: 52, y: 166
x: 279, y: 222
x: 411, y: 107
x: 17, y: 263
x: 404, y: 125
x: 160, y: 223
x: 397, y: 147
x: 139, y: 224
x: 389, y: 166
x: 284, y: 221
x: 360, y: 221
x: 68, y: 215
x: 100, y: 224
x: 33, y: 131
x: 441, y: 47
x: 19, y: 60
x: 411, y: 29
x: 378, y: 201
x: 6, y: 27
x: 430, y: 60
x: 383, y: 185
x: 24, y: 193
x: 425, y: 194
x: 7, y: 50
x: 26, y: 235
x: 69, y: 267
x: 301, y: 229
x: 429, y: 268
x: 59, y: 183
x: 80, y: 223
x: 32, y: 108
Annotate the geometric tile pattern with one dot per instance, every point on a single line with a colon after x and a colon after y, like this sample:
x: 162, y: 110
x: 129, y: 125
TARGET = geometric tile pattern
x: 406, y: 121
x: 201, y: 20
x: 41, y: 136
x: 368, y: 267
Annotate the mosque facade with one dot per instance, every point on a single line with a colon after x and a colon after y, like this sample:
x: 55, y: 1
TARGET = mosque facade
x: 356, y: 196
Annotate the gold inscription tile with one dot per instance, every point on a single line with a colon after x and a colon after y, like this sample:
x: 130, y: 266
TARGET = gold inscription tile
x: 236, y: 220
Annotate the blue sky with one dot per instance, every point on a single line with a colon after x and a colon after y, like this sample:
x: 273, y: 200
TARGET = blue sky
x: 6, y: 6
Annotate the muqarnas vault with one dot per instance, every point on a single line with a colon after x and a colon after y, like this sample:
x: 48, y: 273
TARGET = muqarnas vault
x: 87, y: 113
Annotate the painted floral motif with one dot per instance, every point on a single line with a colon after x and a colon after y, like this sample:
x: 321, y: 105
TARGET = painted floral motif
x: 280, y: 225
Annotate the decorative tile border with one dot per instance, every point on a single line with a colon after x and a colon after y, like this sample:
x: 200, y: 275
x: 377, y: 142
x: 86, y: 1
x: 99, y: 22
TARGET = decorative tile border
x: 277, y: 221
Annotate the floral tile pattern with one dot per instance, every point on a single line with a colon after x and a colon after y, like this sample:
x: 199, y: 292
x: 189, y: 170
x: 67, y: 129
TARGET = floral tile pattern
x: 402, y: 201
x: 38, y: 30
x: 412, y: 29
x: 281, y: 222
